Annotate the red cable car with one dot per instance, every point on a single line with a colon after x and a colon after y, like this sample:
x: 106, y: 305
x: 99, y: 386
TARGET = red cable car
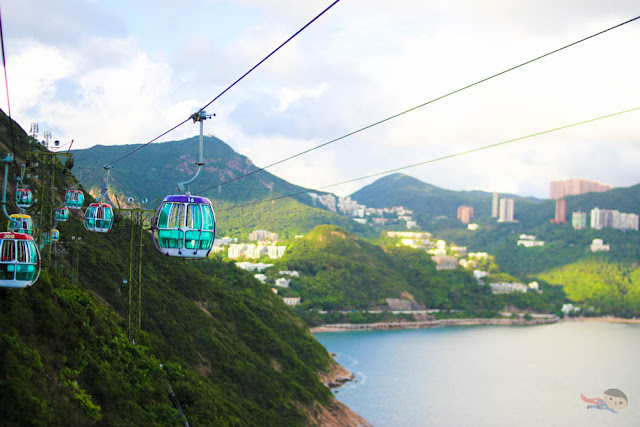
x: 19, y: 260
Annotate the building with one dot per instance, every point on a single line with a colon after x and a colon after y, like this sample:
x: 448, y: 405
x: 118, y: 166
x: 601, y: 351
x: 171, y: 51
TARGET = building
x: 506, y: 210
x: 444, y: 262
x: 409, y: 234
x: 575, y: 186
x: 561, y: 212
x: 507, y: 288
x: 465, y: 213
x: 494, y: 205
x: 292, y: 273
x: 579, y: 220
x: 529, y: 241
x: 260, y: 277
x: 282, y: 282
x: 291, y: 301
x: 598, y: 246
x: 262, y: 236
x: 472, y: 227
x: 250, y: 266
x: 603, y: 218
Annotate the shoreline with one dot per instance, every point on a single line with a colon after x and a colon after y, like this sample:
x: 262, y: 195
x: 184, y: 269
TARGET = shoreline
x: 423, y: 324
x: 339, y: 327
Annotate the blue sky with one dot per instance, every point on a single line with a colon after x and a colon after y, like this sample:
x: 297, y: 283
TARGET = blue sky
x: 123, y: 72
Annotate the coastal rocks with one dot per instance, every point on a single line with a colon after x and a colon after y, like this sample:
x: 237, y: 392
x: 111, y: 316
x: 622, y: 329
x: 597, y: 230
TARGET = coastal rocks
x: 336, y: 376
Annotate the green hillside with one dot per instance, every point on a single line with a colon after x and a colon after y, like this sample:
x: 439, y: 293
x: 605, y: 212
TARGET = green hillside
x: 607, y: 287
x: 340, y: 271
x: 230, y: 349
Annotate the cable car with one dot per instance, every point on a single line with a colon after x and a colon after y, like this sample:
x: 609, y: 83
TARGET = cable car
x: 19, y: 260
x: 24, y: 198
x: 98, y: 217
x: 62, y: 214
x: 74, y: 199
x: 184, y: 226
x: 54, y: 235
x: 23, y: 224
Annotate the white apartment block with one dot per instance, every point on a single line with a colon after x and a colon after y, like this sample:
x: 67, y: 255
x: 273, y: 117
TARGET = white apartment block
x: 506, y: 210
x: 250, y: 266
x: 603, y: 218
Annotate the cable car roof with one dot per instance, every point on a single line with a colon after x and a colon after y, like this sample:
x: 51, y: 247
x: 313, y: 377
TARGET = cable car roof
x: 12, y: 235
x: 183, y: 198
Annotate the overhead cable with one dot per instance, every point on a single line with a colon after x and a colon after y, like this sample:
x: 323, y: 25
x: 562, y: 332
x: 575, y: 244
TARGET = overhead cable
x: 230, y: 86
x: 418, y: 106
x: 6, y: 84
x: 462, y: 153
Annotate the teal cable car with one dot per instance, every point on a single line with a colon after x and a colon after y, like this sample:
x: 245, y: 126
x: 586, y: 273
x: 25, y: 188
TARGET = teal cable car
x: 74, y: 199
x: 19, y: 260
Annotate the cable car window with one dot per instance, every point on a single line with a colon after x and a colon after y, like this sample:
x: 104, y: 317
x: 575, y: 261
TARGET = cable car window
x: 8, y: 250
x: 196, y: 216
x: 21, y: 253
x: 176, y: 216
x: 207, y: 213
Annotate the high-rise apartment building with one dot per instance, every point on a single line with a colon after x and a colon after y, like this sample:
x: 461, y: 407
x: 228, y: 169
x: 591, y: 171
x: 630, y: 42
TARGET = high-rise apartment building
x: 465, y: 213
x: 579, y: 220
x: 561, y: 212
x: 575, y: 186
x: 506, y: 210
x: 494, y: 205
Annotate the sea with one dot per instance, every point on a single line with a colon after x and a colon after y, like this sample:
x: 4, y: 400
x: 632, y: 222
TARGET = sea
x: 491, y: 375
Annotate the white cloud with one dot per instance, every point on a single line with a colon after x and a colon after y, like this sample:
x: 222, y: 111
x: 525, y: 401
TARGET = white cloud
x: 363, y: 61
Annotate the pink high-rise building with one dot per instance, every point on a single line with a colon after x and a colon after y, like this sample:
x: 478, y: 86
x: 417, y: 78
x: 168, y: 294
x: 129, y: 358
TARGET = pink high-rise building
x: 561, y: 212
x: 575, y: 186
x: 465, y: 213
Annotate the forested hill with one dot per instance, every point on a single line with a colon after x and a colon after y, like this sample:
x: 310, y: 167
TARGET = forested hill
x: 154, y: 171
x: 430, y: 202
x: 229, y: 348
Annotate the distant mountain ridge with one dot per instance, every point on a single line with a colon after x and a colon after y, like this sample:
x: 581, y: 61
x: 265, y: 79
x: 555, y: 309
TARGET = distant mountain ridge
x: 241, y: 206
x: 429, y: 202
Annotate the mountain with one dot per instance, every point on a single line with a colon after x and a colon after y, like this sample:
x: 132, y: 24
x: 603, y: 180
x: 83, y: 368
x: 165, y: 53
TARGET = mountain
x: 565, y: 259
x: 153, y: 172
x: 227, y: 348
x: 429, y: 202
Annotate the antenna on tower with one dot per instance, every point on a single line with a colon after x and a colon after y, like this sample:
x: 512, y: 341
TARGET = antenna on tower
x: 47, y: 138
x: 34, y: 131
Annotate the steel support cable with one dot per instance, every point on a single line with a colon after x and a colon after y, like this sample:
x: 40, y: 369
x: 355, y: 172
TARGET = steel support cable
x: 232, y: 84
x: 417, y: 107
x: 450, y: 156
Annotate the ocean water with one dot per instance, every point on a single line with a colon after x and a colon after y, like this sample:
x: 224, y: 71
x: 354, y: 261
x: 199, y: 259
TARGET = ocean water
x: 490, y: 375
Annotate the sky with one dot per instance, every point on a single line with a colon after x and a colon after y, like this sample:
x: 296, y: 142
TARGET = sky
x: 126, y: 71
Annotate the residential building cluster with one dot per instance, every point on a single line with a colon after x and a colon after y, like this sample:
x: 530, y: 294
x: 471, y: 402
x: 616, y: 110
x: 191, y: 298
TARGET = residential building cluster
x: 255, y: 251
x: 263, y: 236
x: 529, y: 241
x: 574, y: 187
x: 237, y: 250
x: 605, y: 218
x: 363, y: 214
x: 509, y: 288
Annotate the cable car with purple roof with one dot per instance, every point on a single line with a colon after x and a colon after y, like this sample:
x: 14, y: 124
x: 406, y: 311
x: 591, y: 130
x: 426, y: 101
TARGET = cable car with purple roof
x: 184, y: 225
